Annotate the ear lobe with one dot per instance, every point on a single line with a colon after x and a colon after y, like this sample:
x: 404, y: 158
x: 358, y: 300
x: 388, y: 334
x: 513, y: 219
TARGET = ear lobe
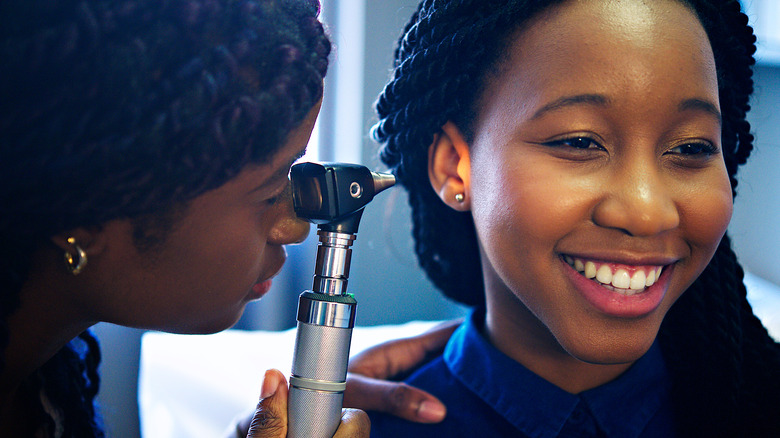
x: 449, y: 167
x: 91, y: 240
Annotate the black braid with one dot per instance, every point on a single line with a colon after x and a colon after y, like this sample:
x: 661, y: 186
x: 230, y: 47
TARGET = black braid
x: 435, y: 61
x: 72, y: 388
x: 129, y: 109
x: 723, y: 363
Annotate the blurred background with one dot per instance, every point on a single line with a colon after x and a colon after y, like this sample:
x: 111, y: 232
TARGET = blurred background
x: 384, y: 277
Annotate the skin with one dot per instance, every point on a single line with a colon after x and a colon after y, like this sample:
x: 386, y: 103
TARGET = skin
x: 598, y: 138
x: 220, y: 255
x: 198, y: 280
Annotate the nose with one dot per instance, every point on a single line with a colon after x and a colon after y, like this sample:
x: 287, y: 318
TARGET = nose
x: 638, y: 201
x: 288, y: 228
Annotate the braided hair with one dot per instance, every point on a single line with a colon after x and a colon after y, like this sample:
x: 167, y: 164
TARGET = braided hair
x: 130, y: 109
x: 723, y: 363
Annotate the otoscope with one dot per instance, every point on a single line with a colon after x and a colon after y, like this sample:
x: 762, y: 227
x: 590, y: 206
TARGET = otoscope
x: 331, y: 195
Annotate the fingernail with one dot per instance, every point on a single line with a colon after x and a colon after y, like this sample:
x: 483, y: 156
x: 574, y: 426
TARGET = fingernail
x: 270, y: 384
x: 430, y: 411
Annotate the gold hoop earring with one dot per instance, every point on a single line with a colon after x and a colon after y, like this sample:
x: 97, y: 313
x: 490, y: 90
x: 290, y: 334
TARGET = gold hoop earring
x: 75, y: 264
x: 459, y: 197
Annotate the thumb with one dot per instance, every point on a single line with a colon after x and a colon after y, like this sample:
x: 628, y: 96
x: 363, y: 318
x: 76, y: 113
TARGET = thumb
x: 270, y: 419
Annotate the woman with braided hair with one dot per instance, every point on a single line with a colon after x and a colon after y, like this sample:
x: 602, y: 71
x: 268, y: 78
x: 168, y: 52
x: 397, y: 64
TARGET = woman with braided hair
x: 148, y: 142
x: 571, y: 169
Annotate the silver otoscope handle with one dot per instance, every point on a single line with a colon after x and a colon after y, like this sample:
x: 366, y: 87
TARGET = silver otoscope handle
x: 325, y: 323
x: 331, y: 195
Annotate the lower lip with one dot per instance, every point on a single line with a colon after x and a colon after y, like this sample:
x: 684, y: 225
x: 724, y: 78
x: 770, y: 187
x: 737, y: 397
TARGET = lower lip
x: 260, y: 289
x: 616, y: 304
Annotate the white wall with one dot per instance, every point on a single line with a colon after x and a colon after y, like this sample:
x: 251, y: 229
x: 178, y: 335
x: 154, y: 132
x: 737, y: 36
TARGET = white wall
x: 755, y: 226
x: 384, y: 276
x: 763, y: 16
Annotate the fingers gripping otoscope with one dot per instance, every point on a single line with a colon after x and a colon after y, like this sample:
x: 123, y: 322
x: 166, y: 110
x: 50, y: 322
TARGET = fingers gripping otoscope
x: 331, y: 195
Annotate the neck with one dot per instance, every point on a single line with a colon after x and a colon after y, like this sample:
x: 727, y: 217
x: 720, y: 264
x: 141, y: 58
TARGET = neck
x: 48, y: 318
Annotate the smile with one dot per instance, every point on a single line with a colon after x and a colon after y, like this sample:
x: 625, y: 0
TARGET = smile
x: 625, y: 279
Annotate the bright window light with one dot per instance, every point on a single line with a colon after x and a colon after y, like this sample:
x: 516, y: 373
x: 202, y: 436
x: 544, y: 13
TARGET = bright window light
x: 313, y: 148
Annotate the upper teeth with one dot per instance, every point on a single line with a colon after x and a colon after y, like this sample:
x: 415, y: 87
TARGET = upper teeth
x: 619, y: 277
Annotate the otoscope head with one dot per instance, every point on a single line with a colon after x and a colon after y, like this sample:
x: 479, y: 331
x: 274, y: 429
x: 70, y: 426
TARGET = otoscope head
x: 335, y: 193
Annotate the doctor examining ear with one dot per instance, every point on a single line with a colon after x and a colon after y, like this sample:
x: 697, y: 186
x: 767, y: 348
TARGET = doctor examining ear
x: 145, y: 148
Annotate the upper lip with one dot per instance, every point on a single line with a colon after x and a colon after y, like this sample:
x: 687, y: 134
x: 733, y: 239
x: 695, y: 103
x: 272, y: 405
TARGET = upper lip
x: 274, y: 272
x: 625, y: 258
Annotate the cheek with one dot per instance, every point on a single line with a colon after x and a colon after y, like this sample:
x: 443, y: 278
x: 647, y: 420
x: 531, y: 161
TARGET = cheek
x: 526, y: 199
x: 522, y: 208
x: 499, y: 198
x: 706, y: 216
x: 224, y: 261
x: 242, y: 252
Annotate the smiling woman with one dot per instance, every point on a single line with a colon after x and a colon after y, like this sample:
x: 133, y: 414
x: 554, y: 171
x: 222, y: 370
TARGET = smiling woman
x: 571, y: 167
x: 623, y: 196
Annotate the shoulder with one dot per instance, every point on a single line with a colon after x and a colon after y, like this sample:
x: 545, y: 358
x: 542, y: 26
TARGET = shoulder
x: 467, y: 414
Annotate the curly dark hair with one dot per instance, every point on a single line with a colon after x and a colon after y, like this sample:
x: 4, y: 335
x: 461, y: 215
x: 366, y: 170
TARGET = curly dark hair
x: 129, y: 109
x: 723, y: 362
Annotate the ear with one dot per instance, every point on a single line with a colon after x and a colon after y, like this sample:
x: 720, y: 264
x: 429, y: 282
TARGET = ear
x: 92, y: 240
x: 449, y: 167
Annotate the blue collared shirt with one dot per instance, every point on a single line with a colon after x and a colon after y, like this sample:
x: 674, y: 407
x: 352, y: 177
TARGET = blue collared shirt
x: 487, y: 394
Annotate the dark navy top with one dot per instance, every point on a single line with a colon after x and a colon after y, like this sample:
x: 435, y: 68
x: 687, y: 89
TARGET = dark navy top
x: 487, y: 394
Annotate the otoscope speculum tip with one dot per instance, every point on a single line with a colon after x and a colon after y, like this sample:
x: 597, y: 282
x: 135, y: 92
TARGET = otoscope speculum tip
x: 382, y: 181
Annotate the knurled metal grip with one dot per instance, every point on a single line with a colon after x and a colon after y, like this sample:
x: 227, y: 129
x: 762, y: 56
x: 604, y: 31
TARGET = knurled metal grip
x: 321, y: 352
x: 318, y: 380
x: 318, y: 413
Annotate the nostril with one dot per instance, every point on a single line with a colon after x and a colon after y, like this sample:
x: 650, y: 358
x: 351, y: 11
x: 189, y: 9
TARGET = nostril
x: 303, y: 230
x: 637, y: 215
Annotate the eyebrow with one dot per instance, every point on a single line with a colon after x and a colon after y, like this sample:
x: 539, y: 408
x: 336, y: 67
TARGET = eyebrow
x: 285, y: 170
x: 701, y: 105
x: 281, y: 173
x: 601, y: 100
x: 563, y: 102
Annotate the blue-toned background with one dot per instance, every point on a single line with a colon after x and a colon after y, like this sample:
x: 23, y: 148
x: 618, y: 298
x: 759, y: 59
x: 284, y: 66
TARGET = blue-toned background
x: 384, y: 276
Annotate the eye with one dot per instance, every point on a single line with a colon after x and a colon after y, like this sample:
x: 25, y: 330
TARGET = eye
x: 575, y: 142
x: 272, y: 199
x: 694, y: 149
x: 279, y: 195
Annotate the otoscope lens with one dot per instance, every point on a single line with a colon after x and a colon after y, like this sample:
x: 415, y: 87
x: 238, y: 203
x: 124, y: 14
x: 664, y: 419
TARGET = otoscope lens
x: 307, y: 197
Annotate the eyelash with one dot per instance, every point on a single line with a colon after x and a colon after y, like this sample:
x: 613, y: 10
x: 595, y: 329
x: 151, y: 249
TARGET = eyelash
x: 272, y: 200
x: 569, y: 142
x: 702, y: 148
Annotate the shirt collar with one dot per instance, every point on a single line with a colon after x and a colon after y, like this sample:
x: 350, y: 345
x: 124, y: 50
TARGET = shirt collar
x: 624, y: 406
x: 540, y: 409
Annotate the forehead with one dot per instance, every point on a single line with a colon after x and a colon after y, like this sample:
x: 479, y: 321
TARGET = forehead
x: 295, y: 144
x: 630, y: 47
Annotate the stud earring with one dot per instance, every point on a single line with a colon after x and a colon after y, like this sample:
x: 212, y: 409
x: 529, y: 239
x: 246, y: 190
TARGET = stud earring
x: 75, y: 264
x: 459, y: 197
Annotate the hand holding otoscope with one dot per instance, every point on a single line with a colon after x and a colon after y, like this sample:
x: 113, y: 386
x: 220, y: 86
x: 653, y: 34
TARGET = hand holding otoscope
x: 331, y: 195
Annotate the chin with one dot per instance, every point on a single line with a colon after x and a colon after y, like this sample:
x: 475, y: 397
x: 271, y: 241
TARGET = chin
x: 214, y: 324
x: 610, y: 350
x: 610, y: 358
x: 221, y: 325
